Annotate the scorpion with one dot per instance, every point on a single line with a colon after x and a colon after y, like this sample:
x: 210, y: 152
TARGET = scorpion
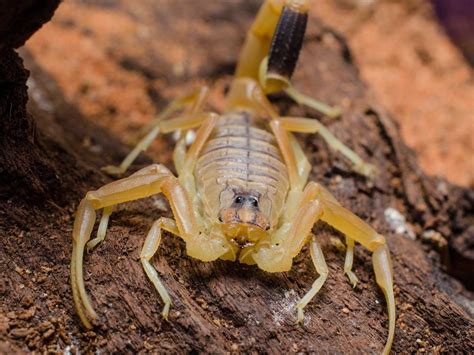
x: 241, y: 190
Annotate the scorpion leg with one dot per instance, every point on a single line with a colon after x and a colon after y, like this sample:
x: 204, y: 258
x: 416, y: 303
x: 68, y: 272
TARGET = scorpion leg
x: 311, y: 125
x: 316, y: 203
x: 349, y: 260
x: 283, y: 141
x: 302, y: 99
x: 149, y: 249
x: 317, y: 257
x: 288, y: 241
x: 152, y: 129
x: 186, y: 176
x: 146, y: 182
x: 104, y: 221
x: 195, y: 99
x: 181, y: 122
x: 101, y: 231
x: 266, y: 77
x: 359, y: 231
x: 179, y: 152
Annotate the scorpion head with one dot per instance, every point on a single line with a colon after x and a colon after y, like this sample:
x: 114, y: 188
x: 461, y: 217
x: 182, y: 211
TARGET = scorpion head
x: 244, y: 212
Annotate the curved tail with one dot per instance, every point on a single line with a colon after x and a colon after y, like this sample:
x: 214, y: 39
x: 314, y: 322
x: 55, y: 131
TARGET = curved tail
x: 273, y: 44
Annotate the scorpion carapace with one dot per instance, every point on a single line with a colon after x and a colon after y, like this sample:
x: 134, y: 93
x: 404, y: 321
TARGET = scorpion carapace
x: 242, y: 168
x: 242, y: 190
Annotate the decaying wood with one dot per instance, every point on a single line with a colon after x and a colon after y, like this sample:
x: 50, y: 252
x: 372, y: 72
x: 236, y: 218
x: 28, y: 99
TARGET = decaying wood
x: 219, y: 306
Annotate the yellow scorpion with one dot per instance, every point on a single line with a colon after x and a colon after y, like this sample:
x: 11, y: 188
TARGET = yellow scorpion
x: 242, y: 190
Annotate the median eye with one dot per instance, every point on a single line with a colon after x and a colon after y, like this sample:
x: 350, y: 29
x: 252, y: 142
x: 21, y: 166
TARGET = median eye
x: 253, y: 202
x: 239, y: 200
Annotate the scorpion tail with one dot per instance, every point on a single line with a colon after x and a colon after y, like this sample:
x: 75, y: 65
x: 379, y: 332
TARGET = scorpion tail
x: 272, y: 45
x: 276, y: 70
x: 272, y: 48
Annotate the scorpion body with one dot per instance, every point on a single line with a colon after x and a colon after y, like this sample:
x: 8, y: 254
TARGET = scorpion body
x: 243, y: 158
x: 242, y: 190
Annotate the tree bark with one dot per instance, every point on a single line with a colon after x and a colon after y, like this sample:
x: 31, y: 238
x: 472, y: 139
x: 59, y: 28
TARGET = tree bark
x: 220, y: 306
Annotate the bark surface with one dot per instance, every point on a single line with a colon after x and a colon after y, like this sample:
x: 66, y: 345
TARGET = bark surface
x: 50, y: 163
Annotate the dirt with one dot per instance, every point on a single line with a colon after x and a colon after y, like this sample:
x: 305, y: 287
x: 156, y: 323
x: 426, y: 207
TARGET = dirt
x: 100, y: 72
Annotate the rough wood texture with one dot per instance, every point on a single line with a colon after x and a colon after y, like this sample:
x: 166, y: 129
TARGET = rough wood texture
x: 222, y: 306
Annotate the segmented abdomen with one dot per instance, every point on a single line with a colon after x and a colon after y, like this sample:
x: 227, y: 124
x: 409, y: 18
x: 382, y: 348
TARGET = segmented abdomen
x: 241, y: 154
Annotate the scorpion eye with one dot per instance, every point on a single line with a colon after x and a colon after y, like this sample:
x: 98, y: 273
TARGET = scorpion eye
x: 253, y: 202
x: 239, y: 199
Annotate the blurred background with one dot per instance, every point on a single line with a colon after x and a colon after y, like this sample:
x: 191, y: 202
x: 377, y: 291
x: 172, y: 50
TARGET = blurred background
x: 416, y: 56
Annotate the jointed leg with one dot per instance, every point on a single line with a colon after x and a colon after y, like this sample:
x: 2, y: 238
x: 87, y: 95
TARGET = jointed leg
x: 311, y: 125
x: 359, y: 231
x: 384, y: 276
x: 202, y: 136
x: 272, y: 82
x: 302, y: 164
x: 102, y: 230
x: 276, y: 254
x: 142, y: 145
x: 186, y: 176
x: 179, y: 152
x: 302, y: 99
x: 321, y: 268
x: 179, y: 123
x: 83, y: 226
x: 349, y: 260
x: 297, y: 181
x: 146, y: 182
x: 152, y: 129
x: 149, y: 249
x: 195, y: 100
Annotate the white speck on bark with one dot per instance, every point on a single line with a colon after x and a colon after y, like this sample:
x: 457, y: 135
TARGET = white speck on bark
x: 398, y: 223
x: 285, y: 310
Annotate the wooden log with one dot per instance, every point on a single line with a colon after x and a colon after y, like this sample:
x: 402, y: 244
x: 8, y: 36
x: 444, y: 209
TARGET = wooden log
x: 221, y: 306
